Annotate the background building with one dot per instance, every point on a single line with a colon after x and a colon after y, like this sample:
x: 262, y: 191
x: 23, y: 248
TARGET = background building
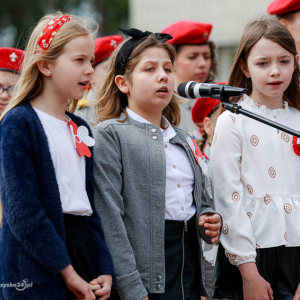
x: 228, y: 17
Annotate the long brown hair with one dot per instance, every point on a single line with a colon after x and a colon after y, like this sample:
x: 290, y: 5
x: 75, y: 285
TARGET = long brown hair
x: 273, y: 31
x: 111, y: 102
x: 30, y: 83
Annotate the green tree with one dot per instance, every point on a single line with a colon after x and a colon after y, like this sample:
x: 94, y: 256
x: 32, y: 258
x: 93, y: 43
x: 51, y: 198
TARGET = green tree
x: 18, y: 17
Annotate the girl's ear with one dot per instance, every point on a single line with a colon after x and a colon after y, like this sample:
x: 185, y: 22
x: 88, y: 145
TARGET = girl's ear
x: 208, y: 126
x: 285, y: 23
x: 44, y: 67
x: 122, y: 84
x: 244, y: 68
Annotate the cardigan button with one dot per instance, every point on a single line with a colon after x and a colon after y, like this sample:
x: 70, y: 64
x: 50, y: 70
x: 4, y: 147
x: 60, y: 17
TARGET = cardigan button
x: 158, y: 278
x: 158, y: 286
x: 153, y: 130
x: 154, y: 137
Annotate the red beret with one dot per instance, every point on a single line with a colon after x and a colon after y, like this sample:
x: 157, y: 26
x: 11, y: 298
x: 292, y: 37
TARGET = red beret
x: 203, y: 107
x: 188, y: 32
x: 280, y: 7
x: 104, y: 46
x: 11, y: 59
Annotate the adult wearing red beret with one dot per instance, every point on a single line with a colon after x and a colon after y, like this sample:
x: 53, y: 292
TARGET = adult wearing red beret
x: 288, y: 14
x: 195, y: 61
x: 10, y: 67
x: 104, y: 47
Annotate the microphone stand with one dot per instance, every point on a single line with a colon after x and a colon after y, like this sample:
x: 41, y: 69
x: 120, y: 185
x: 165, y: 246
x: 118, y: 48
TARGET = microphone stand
x: 237, y: 109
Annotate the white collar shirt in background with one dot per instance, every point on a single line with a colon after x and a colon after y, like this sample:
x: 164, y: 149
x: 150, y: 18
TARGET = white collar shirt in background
x: 179, y: 175
x: 255, y: 176
x: 68, y: 164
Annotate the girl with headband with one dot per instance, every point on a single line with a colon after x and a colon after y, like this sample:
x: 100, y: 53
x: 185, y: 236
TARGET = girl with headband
x: 148, y: 182
x: 51, y: 242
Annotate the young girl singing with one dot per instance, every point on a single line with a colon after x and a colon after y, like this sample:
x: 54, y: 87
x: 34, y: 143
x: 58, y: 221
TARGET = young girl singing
x: 255, y: 170
x: 51, y: 242
x: 148, y: 183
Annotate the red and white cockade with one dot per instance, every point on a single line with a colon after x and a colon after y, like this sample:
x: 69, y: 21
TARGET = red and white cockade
x: 296, y: 145
x: 198, y: 155
x: 82, y: 140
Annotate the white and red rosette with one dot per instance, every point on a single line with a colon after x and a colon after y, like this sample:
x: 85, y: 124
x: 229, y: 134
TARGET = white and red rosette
x: 198, y: 155
x: 296, y: 145
x: 81, y: 139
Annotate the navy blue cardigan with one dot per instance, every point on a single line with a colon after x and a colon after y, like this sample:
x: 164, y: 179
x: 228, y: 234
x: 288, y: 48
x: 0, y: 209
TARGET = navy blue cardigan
x: 32, y: 238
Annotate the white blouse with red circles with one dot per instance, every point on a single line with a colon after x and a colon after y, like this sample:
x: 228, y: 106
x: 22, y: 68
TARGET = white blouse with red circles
x: 255, y: 177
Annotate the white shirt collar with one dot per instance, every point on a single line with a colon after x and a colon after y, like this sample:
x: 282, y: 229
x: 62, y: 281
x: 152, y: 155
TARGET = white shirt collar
x: 263, y: 109
x: 167, y: 133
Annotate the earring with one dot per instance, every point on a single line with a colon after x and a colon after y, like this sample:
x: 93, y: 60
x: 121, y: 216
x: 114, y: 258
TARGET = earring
x: 48, y: 72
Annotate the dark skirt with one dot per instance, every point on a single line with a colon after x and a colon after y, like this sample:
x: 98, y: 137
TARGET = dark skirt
x: 280, y: 266
x: 181, y: 262
x: 81, y: 248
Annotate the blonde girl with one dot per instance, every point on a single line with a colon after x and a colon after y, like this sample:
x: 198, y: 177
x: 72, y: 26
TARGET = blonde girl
x: 148, y: 184
x: 51, y: 242
x: 255, y: 170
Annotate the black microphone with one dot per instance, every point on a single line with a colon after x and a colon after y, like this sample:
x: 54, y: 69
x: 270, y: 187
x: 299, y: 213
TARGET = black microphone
x: 194, y: 90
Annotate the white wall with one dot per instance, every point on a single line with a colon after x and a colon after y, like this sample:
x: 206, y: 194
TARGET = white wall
x: 228, y: 17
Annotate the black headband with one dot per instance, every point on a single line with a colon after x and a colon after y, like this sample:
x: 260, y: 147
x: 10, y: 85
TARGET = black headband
x: 137, y: 37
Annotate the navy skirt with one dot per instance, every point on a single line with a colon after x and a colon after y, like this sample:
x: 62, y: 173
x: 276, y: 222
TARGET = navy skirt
x: 81, y: 248
x: 280, y: 266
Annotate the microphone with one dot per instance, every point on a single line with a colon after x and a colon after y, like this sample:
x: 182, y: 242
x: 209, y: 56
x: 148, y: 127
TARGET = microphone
x: 194, y: 90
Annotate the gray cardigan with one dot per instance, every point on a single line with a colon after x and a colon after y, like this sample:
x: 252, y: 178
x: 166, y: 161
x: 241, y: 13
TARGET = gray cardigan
x: 130, y: 180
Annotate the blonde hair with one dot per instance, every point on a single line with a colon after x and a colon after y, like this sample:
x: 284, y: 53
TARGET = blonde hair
x: 111, y: 102
x: 30, y: 84
x: 273, y: 31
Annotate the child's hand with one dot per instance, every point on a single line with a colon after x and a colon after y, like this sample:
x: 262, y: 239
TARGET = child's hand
x: 104, y: 282
x: 254, y: 286
x: 297, y: 294
x: 79, y: 287
x: 212, y: 222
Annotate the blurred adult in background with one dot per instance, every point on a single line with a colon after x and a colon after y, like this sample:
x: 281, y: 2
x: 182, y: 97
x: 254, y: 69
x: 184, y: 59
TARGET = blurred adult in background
x: 10, y: 67
x: 196, y: 59
x: 288, y: 14
x: 104, y: 47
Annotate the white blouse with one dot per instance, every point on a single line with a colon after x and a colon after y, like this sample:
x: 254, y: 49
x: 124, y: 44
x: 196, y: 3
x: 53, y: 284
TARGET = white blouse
x: 255, y: 180
x: 179, y: 175
x: 69, y: 166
